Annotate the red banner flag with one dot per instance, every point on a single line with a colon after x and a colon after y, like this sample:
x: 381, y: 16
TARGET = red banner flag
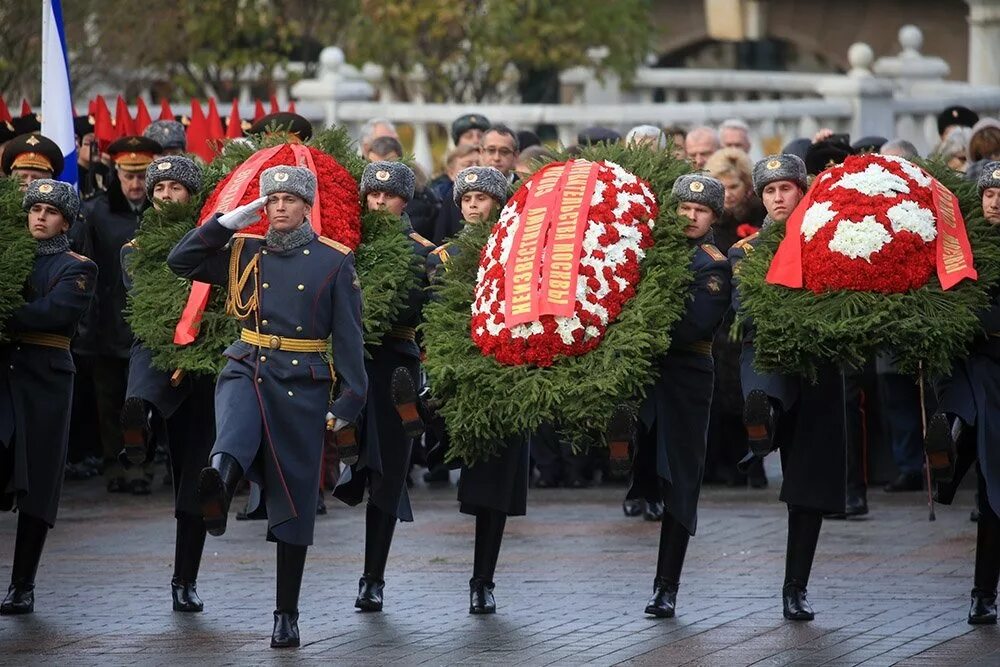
x: 274, y: 104
x: 25, y: 108
x: 4, y: 112
x: 258, y: 110
x: 123, y: 120
x: 291, y: 106
x: 142, y: 119
x: 165, y: 111
x: 234, y: 129
x: 104, y: 129
x: 197, y: 133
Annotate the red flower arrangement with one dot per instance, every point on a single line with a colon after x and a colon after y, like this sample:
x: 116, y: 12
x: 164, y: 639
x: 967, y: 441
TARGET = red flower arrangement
x: 618, y: 231
x: 869, y: 225
x: 337, y: 192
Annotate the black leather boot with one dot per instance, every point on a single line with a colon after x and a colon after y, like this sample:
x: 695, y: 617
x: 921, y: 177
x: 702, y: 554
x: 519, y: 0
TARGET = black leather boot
x: 941, y: 446
x: 803, y: 535
x: 653, y: 511
x: 216, y: 486
x: 983, y: 610
x: 135, y: 432
x: 291, y: 563
x: 632, y: 506
x: 188, y: 549
x: 489, y: 535
x: 759, y: 419
x: 379, y: 527
x: 670, y: 560
x: 28, y: 545
x: 404, y: 399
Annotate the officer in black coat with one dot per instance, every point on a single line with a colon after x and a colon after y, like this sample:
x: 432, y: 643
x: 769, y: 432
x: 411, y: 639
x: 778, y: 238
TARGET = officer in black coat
x: 805, y: 420
x: 110, y: 221
x: 673, y: 418
x: 171, y: 408
x: 966, y: 428
x: 292, y: 292
x: 393, y: 368
x: 494, y: 489
x: 36, y: 381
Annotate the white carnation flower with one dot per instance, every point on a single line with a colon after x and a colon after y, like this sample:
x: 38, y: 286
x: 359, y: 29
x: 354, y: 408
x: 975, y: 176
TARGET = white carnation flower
x: 912, y: 170
x: 874, y: 180
x: 859, y: 239
x: 912, y: 217
x: 815, y: 217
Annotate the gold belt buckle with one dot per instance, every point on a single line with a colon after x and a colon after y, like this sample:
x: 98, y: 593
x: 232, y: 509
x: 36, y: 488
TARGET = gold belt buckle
x: 274, y: 342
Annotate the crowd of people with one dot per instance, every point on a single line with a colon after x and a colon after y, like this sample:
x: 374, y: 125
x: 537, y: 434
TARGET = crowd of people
x: 127, y: 416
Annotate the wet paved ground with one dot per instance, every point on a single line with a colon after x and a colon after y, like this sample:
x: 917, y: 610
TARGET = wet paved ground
x: 573, y: 579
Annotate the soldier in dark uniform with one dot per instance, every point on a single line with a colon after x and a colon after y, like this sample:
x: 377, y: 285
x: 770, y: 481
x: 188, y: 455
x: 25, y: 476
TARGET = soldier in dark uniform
x: 291, y: 291
x: 966, y: 427
x: 36, y: 382
x: 169, y: 134
x: 110, y: 221
x: 393, y: 369
x: 175, y: 409
x: 805, y: 420
x: 673, y: 419
x: 29, y: 157
x: 494, y: 489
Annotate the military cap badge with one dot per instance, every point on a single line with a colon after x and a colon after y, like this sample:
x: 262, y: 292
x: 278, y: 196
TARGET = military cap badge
x: 697, y: 186
x: 382, y: 175
x: 996, y: 173
x: 471, y: 178
x: 773, y: 164
x: 281, y: 177
x: 163, y: 166
x: 32, y: 141
x: 45, y: 188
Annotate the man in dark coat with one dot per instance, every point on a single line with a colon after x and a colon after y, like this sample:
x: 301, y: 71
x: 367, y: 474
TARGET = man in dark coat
x: 36, y: 382
x: 393, y: 369
x: 171, y: 407
x: 110, y: 221
x: 670, y: 447
x: 292, y: 291
x: 805, y: 420
x: 965, y: 430
x: 496, y: 488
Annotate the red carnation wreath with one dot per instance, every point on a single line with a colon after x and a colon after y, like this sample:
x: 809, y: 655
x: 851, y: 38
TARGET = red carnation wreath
x: 616, y: 235
x: 870, y: 226
x: 336, y: 190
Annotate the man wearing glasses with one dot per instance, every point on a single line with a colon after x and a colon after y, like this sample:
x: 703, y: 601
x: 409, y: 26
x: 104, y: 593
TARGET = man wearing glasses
x: 500, y: 150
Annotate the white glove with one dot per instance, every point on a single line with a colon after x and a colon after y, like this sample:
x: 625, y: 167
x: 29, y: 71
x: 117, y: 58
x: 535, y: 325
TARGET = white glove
x: 338, y: 424
x: 242, y: 216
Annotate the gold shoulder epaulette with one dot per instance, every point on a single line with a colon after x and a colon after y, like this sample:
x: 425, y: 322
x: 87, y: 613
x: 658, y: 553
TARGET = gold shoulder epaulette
x: 713, y: 252
x: 421, y: 240
x: 336, y: 245
x: 77, y: 256
x: 743, y: 243
x: 242, y: 235
x: 442, y: 252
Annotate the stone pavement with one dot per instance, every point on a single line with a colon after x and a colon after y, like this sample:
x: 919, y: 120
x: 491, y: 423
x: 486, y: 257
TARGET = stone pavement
x: 572, y: 582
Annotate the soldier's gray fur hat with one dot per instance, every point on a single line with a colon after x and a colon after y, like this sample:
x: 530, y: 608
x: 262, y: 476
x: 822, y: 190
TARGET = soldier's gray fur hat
x: 700, y: 189
x: 392, y: 177
x: 989, y: 178
x: 54, y: 193
x: 173, y: 168
x: 783, y: 167
x: 167, y: 133
x: 489, y: 180
x: 297, y: 181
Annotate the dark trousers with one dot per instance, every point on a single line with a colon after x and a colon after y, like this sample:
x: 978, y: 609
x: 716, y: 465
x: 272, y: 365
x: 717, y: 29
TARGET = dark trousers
x: 110, y: 381
x: 900, y: 396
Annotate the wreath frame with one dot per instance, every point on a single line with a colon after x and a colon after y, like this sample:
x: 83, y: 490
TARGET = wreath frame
x: 926, y: 329
x: 485, y: 403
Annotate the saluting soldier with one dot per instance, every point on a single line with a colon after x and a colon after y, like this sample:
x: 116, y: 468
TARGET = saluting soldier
x: 291, y: 292
x: 966, y: 428
x: 110, y: 221
x: 390, y: 420
x: 496, y: 488
x: 673, y: 419
x: 29, y: 157
x: 806, y: 421
x: 172, y: 408
x: 36, y: 382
